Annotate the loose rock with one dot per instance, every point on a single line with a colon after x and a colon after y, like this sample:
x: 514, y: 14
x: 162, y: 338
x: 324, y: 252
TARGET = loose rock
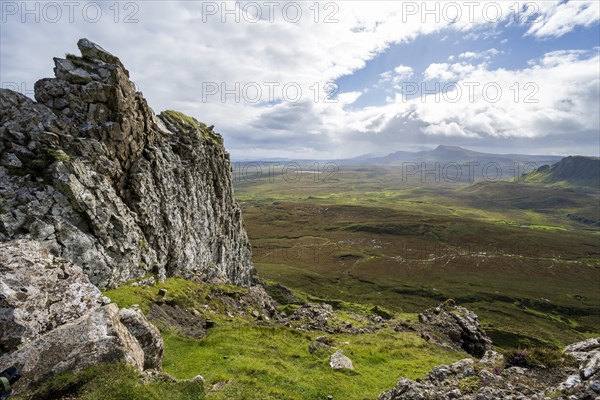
x: 338, y: 361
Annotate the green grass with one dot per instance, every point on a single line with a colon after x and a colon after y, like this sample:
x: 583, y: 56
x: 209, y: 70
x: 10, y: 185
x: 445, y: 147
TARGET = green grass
x: 113, y: 382
x: 506, y: 250
x: 180, y: 119
x: 185, y: 124
x: 180, y: 292
x: 56, y: 155
x: 469, y: 384
x: 273, y: 361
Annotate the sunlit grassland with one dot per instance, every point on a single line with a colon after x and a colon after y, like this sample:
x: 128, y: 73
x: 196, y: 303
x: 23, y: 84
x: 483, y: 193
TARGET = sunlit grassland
x: 246, y: 360
x: 505, y: 249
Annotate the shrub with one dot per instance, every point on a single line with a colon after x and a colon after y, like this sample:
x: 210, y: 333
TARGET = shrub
x: 470, y: 384
x: 538, y: 357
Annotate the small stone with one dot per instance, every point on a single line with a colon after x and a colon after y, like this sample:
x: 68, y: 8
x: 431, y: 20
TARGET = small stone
x: 454, y: 394
x: 162, y: 292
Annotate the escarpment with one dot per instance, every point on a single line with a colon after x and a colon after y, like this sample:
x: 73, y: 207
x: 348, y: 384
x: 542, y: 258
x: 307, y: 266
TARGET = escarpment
x: 97, y: 178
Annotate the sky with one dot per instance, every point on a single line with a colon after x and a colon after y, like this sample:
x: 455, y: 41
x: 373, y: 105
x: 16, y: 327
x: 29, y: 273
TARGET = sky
x: 338, y: 79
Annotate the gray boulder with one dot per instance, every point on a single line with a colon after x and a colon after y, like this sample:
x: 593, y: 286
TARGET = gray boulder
x: 338, y: 361
x: 52, y: 319
x: 39, y: 292
x: 147, y: 335
x: 97, y: 337
x: 587, y: 353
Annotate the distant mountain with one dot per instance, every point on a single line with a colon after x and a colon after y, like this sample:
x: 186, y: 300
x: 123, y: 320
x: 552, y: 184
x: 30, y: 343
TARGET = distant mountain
x: 574, y: 171
x: 444, y: 163
x: 455, y: 154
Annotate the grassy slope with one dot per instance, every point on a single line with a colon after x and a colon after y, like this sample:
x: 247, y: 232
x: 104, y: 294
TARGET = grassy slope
x: 273, y: 362
x: 504, y: 249
x: 113, y: 382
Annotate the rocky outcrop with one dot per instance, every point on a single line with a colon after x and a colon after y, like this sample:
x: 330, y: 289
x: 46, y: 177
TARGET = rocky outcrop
x: 96, y: 177
x: 315, y: 317
x: 39, y: 292
x: 460, y: 325
x: 587, y: 382
x: 488, y: 379
x: 54, y: 320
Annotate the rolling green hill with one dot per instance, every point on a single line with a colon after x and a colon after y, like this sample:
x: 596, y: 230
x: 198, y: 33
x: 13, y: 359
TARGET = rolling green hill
x: 574, y: 171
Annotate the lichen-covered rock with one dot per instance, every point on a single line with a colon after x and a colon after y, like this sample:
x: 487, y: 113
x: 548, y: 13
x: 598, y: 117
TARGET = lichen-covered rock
x: 96, y: 337
x: 492, y: 359
x: 147, y: 335
x: 465, y: 380
x: 460, y: 325
x: 587, y: 353
x: 39, y: 292
x: 94, y: 175
x: 338, y: 361
x: 52, y: 319
x: 259, y: 300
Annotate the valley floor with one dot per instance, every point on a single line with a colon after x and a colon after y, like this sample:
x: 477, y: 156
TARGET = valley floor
x: 511, y: 251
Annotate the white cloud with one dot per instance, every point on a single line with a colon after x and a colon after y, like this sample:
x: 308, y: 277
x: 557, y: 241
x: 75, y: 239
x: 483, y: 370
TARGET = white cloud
x: 485, y: 55
x: 449, y: 72
x: 557, y: 18
x: 558, y: 57
x: 171, y: 52
x: 557, y: 95
x: 394, y: 78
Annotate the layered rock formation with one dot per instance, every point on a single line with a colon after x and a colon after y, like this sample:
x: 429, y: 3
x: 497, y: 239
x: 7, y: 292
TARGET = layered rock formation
x: 91, y: 173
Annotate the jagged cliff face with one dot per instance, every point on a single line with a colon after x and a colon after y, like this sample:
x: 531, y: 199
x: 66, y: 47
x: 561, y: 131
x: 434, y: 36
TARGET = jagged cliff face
x: 90, y: 172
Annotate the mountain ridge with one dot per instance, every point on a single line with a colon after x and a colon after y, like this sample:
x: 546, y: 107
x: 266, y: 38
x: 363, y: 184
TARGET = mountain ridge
x: 572, y: 171
x: 456, y: 152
